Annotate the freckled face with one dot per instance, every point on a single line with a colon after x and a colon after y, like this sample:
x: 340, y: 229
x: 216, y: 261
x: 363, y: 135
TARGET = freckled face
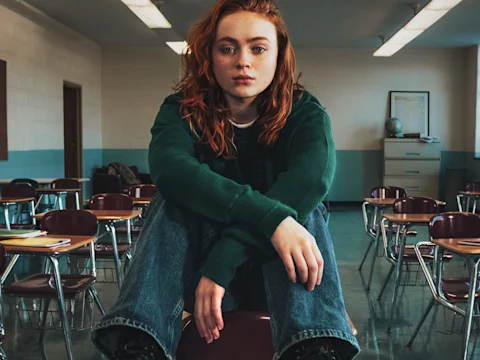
x: 245, y: 54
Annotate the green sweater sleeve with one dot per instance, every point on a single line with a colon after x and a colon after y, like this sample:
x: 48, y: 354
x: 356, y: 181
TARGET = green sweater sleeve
x: 303, y: 186
x: 179, y: 176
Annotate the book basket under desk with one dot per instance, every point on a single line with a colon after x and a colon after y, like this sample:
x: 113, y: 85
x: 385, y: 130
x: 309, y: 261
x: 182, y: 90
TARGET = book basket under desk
x: 105, y: 266
x: 44, y: 314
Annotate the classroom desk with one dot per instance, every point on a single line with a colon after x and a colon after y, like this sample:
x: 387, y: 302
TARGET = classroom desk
x: 406, y: 220
x: 5, y: 202
x: 473, y: 253
x: 43, y: 181
x: 53, y: 254
x: 111, y: 218
x: 468, y: 195
x: 58, y: 192
x: 379, y: 205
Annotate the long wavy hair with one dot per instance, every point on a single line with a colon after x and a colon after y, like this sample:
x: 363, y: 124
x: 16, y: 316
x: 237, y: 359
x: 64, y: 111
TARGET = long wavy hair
x: 203, y: 103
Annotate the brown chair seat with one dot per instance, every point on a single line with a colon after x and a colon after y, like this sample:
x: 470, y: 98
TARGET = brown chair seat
x: 246, y: 335
x: 427, y: 252
x: 456, y: 289
x: 43, y: 285
x: 102, y: 250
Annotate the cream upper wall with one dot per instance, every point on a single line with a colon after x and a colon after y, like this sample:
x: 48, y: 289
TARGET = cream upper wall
x: 135, y: 81
x: 350, y: 83
x: 41, y: 54
x: 354, y: 86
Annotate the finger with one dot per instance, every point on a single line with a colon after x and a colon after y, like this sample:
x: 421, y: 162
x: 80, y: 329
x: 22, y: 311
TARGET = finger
x: 312, y: 268
x: 319, y: 258
x: 207, y: 318
x: 301, y: 265
x: 199, y: 319
x: 217, y: 311
x: 289, y: 267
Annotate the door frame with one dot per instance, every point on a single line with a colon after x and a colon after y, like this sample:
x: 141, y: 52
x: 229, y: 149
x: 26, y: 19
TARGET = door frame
x: 78, y: 128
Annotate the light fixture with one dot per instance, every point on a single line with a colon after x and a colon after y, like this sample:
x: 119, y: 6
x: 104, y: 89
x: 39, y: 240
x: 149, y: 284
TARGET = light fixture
x: 422, y: 20
x: 180, y: 47
x: 148, y: 13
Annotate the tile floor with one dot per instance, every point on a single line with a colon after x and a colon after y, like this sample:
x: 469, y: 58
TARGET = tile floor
x: 369, y: 315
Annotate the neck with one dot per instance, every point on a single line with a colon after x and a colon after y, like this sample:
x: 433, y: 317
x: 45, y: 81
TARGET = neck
x: 243, y: 110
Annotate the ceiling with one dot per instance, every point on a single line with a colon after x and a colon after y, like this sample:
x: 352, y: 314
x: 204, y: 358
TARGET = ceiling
x: 319, y: 23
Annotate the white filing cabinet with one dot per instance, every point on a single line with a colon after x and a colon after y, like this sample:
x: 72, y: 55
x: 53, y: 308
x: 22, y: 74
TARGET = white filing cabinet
x: 413, y: 165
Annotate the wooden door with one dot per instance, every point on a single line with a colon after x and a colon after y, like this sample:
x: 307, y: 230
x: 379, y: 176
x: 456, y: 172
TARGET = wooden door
x: 72, y: 125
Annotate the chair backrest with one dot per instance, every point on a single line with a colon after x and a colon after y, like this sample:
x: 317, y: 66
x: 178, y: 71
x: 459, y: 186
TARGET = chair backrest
x: 70, y: 222
x: 415, y: 205
x: 111, y: 202
x: 472, y: 185
x: 388, y: 192
x: 246, y: 335
x: 454, y: 225
x: 65, y: 184
x: 33, y: 183
x: 18, y: 190
x: 142, y: 190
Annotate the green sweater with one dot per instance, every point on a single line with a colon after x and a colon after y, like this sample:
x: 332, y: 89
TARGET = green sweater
x: 300, y: 169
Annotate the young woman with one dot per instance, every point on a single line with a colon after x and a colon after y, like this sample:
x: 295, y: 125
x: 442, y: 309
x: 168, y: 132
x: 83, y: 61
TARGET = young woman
x: 243, y: 157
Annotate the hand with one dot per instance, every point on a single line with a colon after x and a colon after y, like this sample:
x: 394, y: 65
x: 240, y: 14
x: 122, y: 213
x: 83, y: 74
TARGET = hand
x: 208, y: 309
x: 297, y: 247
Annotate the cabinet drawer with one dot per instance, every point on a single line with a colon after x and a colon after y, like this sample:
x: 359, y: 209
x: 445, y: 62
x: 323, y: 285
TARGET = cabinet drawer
x: 412, y: 150
x: 412, y: 167
x: 413, y: 183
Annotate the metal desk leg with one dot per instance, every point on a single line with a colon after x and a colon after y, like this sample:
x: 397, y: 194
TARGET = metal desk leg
x: 38, y: 203
x: 61, y: 307
x: 398, y: 275
x: 470, y: 304
x: 10, y: 266
x: 77, y: 201
x: 378, y: 223
x: 32, y: 212
x: 7, y: 217
x: 118, y: 265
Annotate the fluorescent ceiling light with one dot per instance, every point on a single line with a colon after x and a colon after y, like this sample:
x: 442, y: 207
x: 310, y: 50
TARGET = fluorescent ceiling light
x: 425, y: 18
x: 148, y: 13
x: 180, y: 47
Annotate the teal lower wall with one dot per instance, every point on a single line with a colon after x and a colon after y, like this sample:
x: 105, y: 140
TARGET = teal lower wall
x: 357, y: 170
x: 46, y: 164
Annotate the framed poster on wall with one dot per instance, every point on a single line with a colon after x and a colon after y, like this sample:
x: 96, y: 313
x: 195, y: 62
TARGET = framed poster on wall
x: 412, y: 108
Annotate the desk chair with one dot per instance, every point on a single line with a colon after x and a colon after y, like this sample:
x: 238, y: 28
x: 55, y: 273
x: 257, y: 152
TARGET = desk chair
x: 21, y: 190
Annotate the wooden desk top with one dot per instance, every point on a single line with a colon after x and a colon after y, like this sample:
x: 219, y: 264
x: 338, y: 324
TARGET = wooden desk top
x: 136, y: 201
x: 390, y: 201
x: 43, y: 181
x: 453, y: 245
x: 470, y: 193
x: 12, y: 200
x: 75, y: 243
x: 56, y: 190
x: 142, y: 200
x: 409, y: 218
x: 106, y: 215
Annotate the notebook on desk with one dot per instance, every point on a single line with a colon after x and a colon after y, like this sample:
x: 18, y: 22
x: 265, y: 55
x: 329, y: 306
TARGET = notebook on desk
x: 20, y: 234
x: 43, y: 241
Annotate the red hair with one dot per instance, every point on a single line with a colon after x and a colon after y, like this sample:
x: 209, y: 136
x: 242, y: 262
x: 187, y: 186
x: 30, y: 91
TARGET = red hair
x: 203, y: 103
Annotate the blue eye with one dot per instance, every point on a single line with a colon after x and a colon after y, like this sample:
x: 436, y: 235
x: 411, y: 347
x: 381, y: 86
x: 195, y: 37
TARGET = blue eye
x: 227, y: 50
x: 259, y: 49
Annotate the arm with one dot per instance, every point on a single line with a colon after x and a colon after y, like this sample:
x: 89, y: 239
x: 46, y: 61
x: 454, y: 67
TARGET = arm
x: 303, y: 186
x: 180, y: 177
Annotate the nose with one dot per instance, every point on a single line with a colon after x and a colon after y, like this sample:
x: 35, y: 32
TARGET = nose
x: 244, y: 59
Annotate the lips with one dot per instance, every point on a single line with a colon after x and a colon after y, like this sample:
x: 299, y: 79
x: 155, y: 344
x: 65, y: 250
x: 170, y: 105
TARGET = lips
x: 244, y: 77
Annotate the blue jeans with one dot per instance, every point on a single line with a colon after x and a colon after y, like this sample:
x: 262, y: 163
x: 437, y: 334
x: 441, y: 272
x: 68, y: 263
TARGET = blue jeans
x: 163, y: 277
